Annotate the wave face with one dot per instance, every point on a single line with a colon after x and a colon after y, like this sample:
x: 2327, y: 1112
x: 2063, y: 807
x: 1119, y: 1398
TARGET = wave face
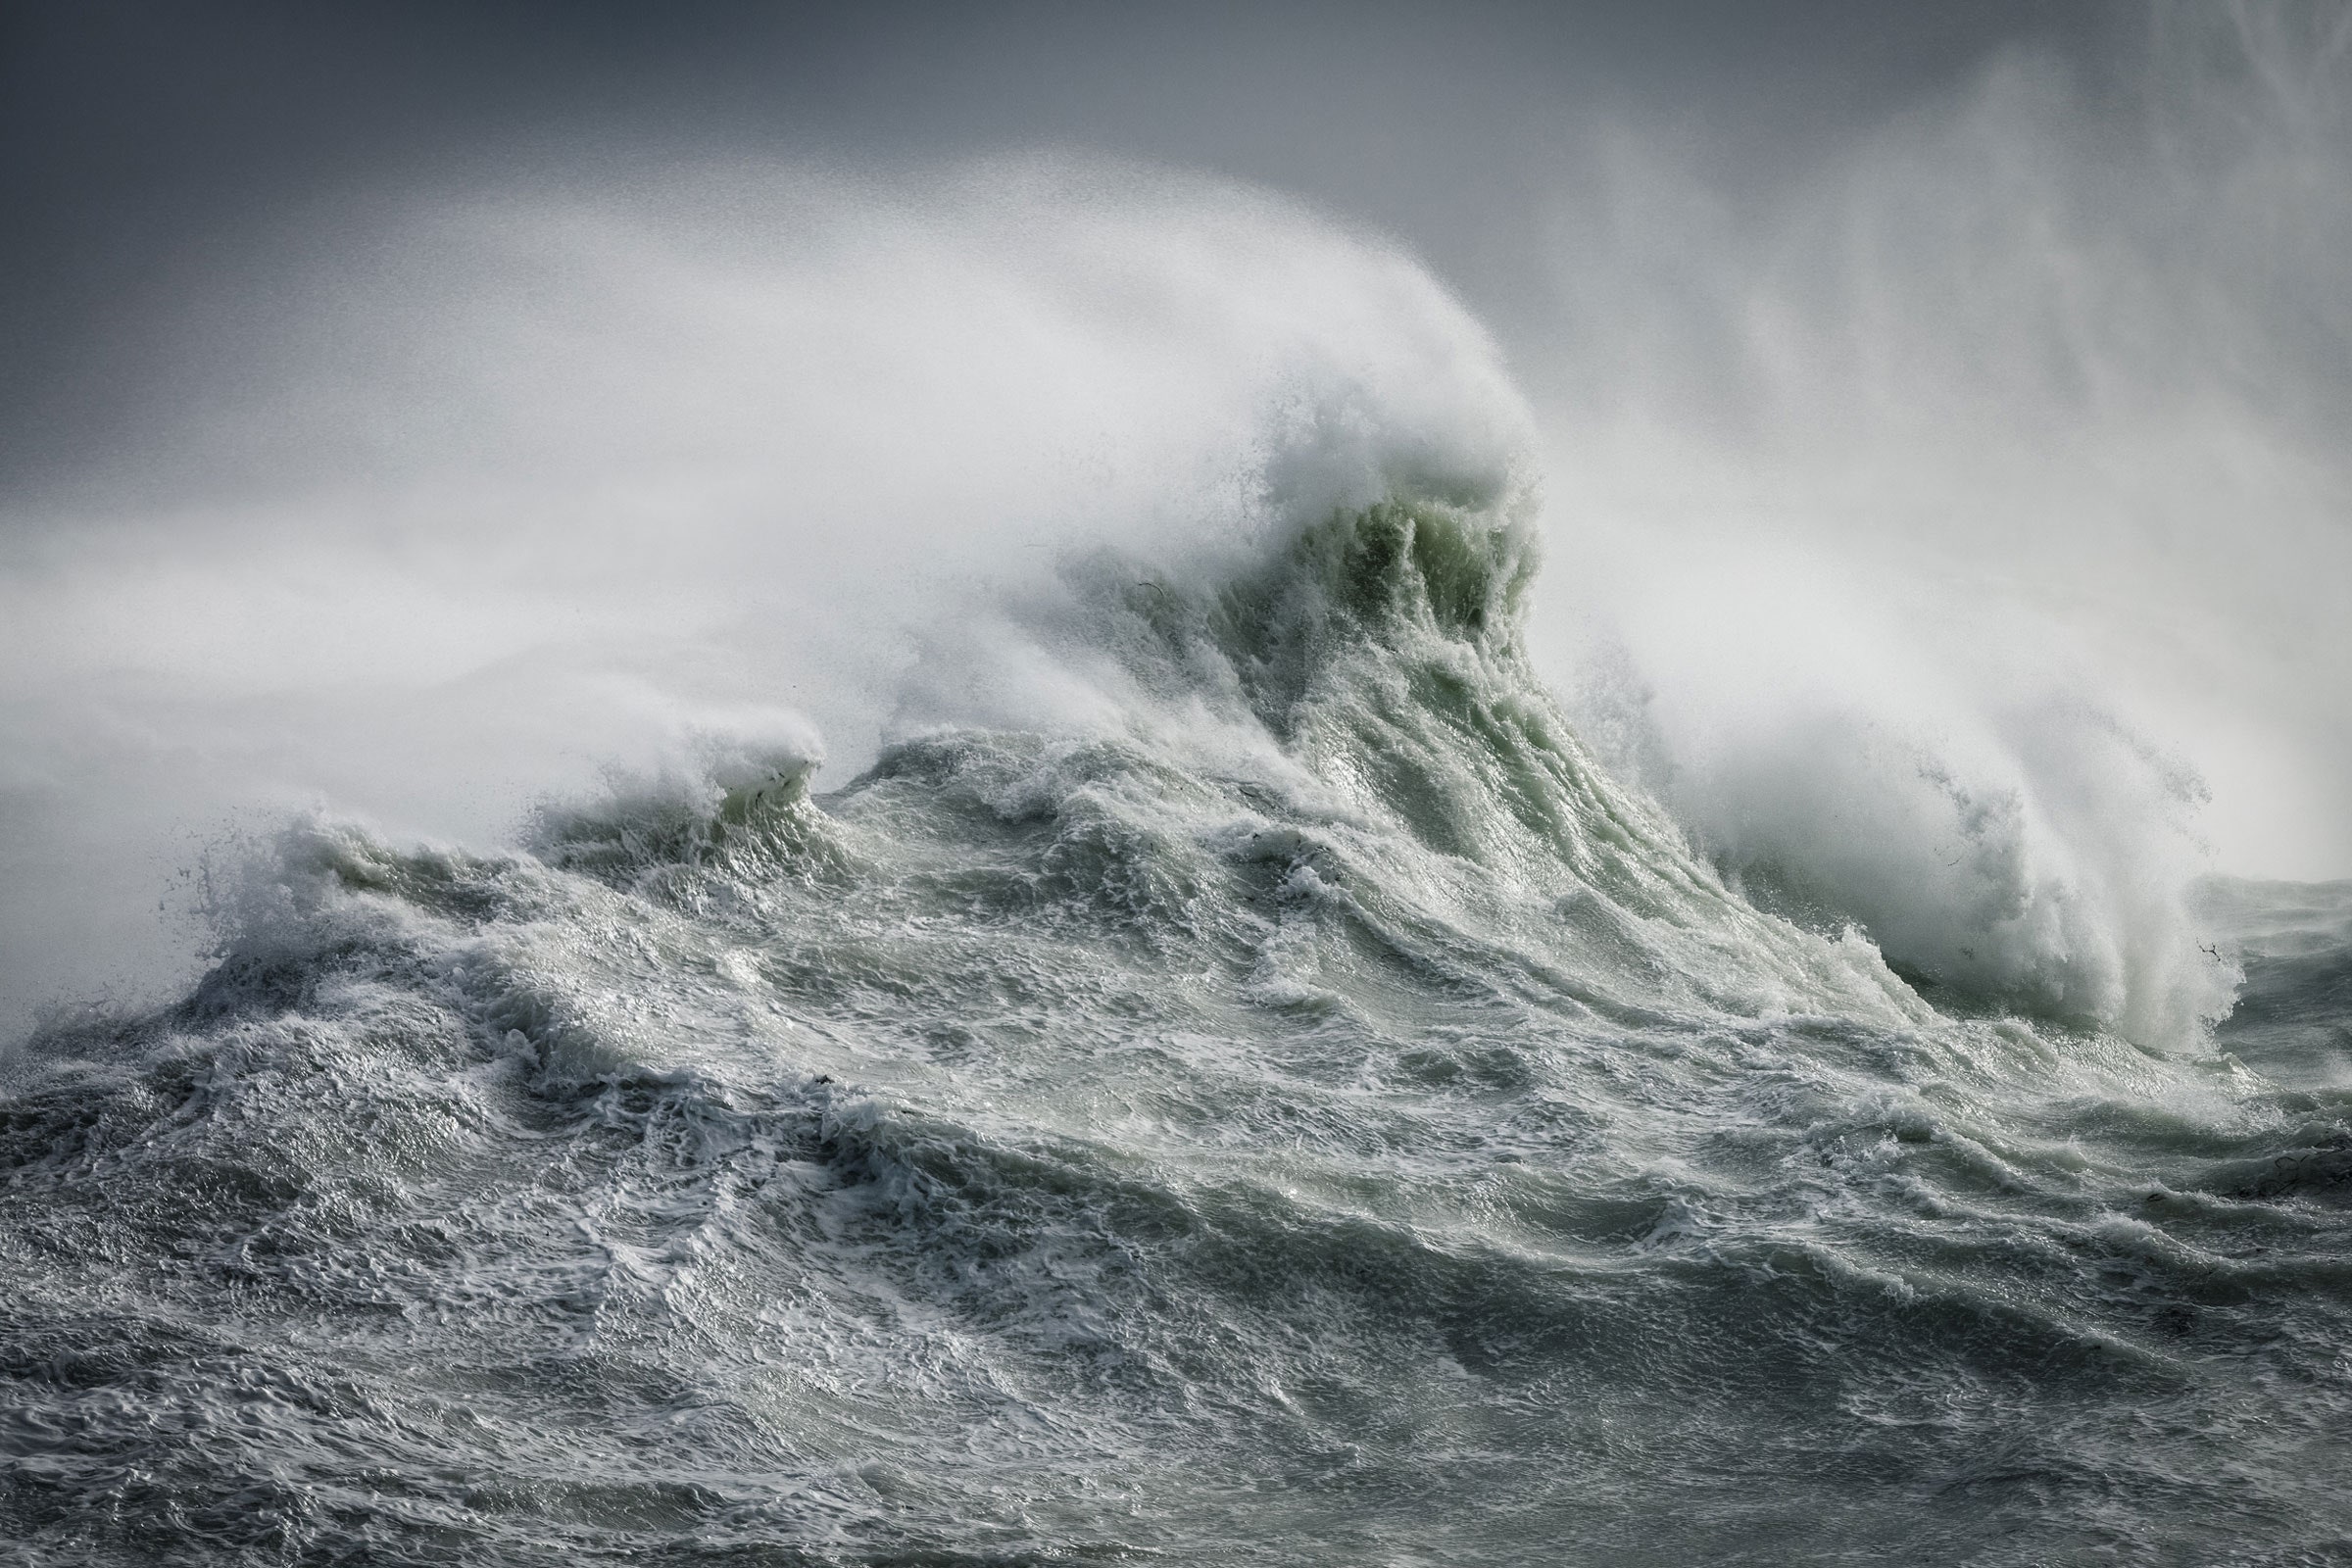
x: 1319, y: 1117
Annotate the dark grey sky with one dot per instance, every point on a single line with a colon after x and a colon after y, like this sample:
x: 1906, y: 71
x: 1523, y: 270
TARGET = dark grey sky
x: 148, y: 147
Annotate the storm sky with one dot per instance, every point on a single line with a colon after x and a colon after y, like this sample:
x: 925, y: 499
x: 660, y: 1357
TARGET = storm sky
x: 148, y: 148
x: 1937, y: 382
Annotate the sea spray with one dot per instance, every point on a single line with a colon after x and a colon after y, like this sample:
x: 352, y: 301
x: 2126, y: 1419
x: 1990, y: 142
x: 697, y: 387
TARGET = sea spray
x: 1322, y: 1118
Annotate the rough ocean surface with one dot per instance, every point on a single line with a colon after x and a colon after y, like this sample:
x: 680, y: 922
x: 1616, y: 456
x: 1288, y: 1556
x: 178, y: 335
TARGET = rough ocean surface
x: 1319, y: 1119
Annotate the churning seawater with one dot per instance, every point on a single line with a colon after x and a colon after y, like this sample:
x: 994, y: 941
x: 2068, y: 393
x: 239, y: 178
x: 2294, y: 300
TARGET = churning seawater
x: 1321, y: 1120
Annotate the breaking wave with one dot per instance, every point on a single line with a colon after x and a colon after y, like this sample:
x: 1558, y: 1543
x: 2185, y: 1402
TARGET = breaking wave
x: 1308, y: 1112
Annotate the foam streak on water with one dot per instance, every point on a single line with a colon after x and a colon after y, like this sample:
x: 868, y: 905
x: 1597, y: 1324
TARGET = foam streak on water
x: 1319, y: 1118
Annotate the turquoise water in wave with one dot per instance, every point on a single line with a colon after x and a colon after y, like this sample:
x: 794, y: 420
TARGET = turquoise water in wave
x: 1320, y: 1119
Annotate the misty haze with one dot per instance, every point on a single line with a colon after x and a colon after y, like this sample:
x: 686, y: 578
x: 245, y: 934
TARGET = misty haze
x: 1301, y: 784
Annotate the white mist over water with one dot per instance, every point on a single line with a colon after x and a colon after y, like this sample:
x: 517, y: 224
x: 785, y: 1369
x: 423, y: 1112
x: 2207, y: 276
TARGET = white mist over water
x: 1933, y: 524
x: 1966, y: 515
x: 501, y: 490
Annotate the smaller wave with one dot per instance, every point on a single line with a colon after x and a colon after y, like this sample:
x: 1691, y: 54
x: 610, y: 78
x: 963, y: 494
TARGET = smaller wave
x: 2036, y: 859
x: 2293, y: 941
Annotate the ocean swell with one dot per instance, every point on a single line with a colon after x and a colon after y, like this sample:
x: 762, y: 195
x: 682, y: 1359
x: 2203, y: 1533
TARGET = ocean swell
x: 1321, y: 1117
